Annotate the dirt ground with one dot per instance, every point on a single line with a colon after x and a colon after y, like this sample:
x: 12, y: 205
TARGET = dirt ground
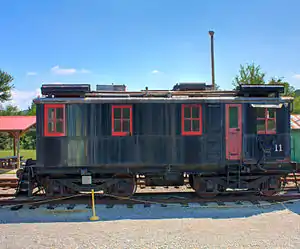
x: 157, y: 227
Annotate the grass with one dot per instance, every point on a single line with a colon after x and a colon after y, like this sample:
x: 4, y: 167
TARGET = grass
x: 25, y: 153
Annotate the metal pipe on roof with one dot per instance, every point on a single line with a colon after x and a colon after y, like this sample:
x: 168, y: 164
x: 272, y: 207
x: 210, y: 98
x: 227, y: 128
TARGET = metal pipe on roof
x: 211, y: 33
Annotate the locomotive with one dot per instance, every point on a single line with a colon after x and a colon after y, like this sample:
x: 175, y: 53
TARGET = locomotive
x: 116, y: 140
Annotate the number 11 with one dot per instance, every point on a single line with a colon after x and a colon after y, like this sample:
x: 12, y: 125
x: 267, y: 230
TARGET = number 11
x: 276, y: 147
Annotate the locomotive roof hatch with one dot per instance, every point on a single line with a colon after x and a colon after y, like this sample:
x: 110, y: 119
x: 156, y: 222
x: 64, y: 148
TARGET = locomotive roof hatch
x: 110, y: 88
x: 65, y: 90
x: 247, y: 90
x: 192, y: 87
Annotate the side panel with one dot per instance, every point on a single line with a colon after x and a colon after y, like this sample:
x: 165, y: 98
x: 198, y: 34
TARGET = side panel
x: 269, y: 147
x: 50, y: 151
x: 156, y: 138
x: 233, y: 131
x: 214, y: 121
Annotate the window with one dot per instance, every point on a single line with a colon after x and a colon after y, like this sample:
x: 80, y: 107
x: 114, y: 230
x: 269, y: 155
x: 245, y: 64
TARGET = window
x: 233, y: 117
x: 121, y: 120
x: 191, y: 121
x: 54, y: 120
x: 266, y: 121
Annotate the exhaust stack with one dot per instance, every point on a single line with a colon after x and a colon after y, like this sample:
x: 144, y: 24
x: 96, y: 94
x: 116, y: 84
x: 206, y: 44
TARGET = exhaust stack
x: 211, y: 33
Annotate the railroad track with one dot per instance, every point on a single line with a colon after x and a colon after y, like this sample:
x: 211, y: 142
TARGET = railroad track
x: 8, y: 183
x: 148, y: 199
x: 11, y: 183
x: 155, y: 191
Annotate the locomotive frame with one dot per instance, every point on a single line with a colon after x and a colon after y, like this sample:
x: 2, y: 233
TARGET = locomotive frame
x: 113, y: 141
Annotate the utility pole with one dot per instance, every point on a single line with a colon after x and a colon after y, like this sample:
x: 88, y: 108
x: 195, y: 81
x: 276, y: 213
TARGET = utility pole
x: 211, y: 33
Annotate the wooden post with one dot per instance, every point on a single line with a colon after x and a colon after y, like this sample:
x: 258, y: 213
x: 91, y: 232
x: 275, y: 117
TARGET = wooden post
x: 18, y: 149
x: 15, y: 144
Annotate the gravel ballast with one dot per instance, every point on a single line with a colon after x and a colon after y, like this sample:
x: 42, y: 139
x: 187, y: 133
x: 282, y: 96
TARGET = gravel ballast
x: 276, y: 226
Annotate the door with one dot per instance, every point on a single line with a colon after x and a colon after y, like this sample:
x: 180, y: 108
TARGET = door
x: 233, y: 131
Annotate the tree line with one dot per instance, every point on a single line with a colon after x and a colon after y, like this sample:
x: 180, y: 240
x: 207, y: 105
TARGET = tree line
x: 248, y: 74
x: 27, y: 141
x: 252, y: 74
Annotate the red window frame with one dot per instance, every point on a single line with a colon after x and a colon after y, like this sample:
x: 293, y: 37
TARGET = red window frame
x: 191, y: 118
x: 54, y: 133
x: 266, y: 118
x: 121, y: 132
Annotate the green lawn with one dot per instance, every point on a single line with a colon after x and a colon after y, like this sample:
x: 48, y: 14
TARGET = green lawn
x: 25, y: 153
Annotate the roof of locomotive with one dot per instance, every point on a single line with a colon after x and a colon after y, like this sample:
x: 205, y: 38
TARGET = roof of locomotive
x: 180, y: 92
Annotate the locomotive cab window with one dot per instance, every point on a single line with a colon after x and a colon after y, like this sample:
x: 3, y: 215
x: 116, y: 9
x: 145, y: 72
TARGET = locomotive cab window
x: 191, y: 119
x: 121, y: 120
x: 266, y: 120
x: 54, y: 120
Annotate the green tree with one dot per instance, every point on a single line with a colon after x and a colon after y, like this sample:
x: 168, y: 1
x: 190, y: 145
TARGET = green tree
x: 289, y: 90
x: 296, y: 104
x: 31, y: 110
x: 249, y: 74
x: 5, y: 86
x: 297, y: 93
x: 28, y: 140
x: 11, y: 110
x: 5, y: 141
x: 252, y: 74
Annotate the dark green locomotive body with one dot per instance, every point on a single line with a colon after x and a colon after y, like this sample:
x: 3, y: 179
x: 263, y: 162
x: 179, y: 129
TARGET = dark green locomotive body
x: 233, y: 138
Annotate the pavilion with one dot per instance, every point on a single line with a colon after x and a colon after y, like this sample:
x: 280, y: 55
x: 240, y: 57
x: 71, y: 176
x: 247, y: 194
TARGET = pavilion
x: 17, y: 126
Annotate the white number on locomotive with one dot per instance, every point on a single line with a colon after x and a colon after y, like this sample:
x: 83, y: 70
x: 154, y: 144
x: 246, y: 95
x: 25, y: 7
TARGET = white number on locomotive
x: 278, y: 147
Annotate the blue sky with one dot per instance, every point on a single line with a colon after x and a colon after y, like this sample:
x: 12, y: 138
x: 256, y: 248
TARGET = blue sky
x: 142, y: 43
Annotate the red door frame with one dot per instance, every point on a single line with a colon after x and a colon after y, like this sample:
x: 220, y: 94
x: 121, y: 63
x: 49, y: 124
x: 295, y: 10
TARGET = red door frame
x: 238, y: 132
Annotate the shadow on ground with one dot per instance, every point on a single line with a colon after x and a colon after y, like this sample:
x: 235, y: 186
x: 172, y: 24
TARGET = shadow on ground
x: 80, y: 213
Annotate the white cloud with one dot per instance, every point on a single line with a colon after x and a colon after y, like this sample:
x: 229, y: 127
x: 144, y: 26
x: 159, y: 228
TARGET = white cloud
x: 63, y: 71
x: 67, y: 71
x: 297, y: 76
x: 23, y: 99
x: 155, y: 71
x: 84, y: 71
x: 31, y: 73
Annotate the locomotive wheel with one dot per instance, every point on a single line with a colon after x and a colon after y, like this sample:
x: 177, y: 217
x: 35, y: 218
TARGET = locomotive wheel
x: 125, y: 187
x: 271, y: 186
x: 204, y: 188
x: 54, y: 188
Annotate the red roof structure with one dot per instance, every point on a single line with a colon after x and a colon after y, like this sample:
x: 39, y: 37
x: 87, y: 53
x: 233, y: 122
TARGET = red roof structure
x: 16, y: 123
x: 16, y: 126
x: 295, y: 121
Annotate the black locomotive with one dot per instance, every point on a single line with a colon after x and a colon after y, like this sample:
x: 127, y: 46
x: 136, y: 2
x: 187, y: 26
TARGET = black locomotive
x: 113, y: 141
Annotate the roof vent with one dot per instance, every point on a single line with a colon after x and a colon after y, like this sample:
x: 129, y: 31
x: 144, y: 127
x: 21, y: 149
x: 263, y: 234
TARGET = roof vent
x: 248, y: 90
x: 191, y: 87
x: 111, y: 88
x: 65, y: 90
